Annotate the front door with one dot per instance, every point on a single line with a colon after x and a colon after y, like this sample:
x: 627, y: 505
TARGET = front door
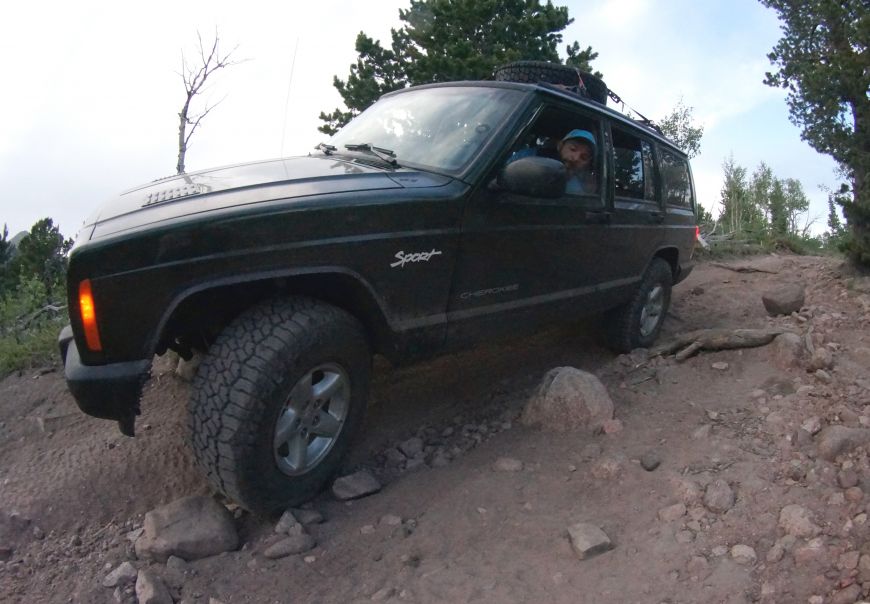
x: 523, y: 260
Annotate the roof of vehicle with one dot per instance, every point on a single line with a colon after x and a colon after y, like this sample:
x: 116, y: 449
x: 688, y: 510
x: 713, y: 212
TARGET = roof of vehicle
x: 561, y: 94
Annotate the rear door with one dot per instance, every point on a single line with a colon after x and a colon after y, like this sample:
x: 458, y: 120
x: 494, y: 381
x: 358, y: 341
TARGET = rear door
x: 638, y: 213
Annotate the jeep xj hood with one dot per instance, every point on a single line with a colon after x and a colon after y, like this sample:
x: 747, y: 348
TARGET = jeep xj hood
x: 249, y: 183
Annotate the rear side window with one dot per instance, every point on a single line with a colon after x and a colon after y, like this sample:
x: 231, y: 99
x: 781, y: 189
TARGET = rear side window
x: 676, y: 185
x: 634, y: 169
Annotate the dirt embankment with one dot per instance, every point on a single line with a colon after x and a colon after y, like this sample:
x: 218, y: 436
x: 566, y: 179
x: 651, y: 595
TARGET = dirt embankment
x: 751, y: 499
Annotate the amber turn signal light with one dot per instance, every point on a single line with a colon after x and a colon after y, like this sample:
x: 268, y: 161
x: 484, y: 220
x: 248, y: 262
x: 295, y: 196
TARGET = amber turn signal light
x: 88, y: 312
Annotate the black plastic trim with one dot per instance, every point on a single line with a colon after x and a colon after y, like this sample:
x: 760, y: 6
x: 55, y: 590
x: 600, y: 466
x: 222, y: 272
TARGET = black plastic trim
x: 104, y: 391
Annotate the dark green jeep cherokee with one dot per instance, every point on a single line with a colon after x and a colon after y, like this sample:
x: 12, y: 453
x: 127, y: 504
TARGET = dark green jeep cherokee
x: 434, y: 220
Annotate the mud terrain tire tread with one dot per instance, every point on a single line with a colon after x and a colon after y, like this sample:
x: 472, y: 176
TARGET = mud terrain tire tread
x: 240, y: 388
x: 623, y: 323
x: 552, y: 73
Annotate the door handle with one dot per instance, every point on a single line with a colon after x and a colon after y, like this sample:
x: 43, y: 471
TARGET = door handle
x: 656, y: 216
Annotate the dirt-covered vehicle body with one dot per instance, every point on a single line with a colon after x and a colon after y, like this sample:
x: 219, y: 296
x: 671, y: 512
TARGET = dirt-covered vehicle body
x: 411, y: 232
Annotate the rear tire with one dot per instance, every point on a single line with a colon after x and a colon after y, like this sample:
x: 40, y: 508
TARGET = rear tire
x: 277, y: 401
x: 638, y: 323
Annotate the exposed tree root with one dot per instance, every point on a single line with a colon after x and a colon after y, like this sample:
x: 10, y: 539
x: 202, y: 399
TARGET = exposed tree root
x: 685, y: 345
x: 744, y: 269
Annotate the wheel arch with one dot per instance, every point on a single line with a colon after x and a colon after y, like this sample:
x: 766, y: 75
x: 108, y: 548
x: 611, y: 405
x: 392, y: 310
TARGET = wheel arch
x: 671, y: 255
x: 201, y: 311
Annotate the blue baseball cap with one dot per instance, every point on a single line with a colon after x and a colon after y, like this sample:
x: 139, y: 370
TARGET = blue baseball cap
x: 581, y: 134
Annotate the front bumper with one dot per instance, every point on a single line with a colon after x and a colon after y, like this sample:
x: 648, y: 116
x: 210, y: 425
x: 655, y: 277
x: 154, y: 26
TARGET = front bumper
x: 105, y: 391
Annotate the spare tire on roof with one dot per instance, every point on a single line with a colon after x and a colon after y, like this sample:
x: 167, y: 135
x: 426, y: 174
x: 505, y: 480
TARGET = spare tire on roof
x: 553, y: 73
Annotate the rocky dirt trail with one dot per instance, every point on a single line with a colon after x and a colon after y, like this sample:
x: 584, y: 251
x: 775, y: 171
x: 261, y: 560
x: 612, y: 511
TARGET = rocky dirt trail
x: 733, y: 476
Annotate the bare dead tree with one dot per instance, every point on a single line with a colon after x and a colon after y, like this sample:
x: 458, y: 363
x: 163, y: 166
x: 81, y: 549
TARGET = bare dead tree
x: 194, y: 77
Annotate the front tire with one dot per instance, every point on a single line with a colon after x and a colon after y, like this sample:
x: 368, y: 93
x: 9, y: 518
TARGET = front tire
x: 277, y: 402
x: 638, y: 323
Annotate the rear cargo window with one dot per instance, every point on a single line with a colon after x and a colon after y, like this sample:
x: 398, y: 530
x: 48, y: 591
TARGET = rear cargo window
x: 676, y: 185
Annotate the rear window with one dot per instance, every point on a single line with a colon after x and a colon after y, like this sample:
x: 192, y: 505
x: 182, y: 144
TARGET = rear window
x: 676, y: 185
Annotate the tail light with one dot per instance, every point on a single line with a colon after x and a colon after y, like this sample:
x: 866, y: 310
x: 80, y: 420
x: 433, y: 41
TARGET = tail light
x: 88, y: 313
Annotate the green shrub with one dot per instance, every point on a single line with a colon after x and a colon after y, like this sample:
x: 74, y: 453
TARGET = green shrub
x: 29, y: 325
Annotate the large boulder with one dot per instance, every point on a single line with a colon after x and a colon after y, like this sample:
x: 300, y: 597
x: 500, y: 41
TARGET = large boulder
x: 784, y: 299
x: 569, y: 399
x: 190, y: 528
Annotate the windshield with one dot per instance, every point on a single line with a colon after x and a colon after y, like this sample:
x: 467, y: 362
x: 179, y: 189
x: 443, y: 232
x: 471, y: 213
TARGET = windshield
x: 439, y: 128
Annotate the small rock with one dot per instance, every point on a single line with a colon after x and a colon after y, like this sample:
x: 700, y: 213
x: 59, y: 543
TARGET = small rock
x: 308, y: 517
x: 848, y: 595
x: 775, y: 553
x: 854, y: 494
x: 588, y: 540
x: 719, y: 497
x: 686, y: 490
x: 672, y: 512
x: 590, y: 452
x: 812, y: 425
x: 684, y: 537
x: 294, y: 544
x: 821, y: 359
x: 607, y: 468
x: 702, y: 432
x: 394, y: 458
x: 507, y: 464
x: 612, y: 426
x: 797, y: 521
x: 650, y: 461
x: 383, y: 594
x: 720, y: 366
x: 124, y: 574
x: 743, y: 554
x: 150, y: 589
x: 847, y: 478
x: 848, y: 560
x: 390, y: 520
x: 823, y: 376
x: 783, y: 300
x: 787, y: 350
x: 368, y: 529
x: 355, y: 485
x: 440, y: 460
x: 697, y: 564
x: 834, y: 440
x: 286, y: 522
x: 719, y: 551
x: 411, y: 447
x: 810, y: 552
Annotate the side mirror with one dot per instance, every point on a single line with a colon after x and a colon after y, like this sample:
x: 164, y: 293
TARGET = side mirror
x: 534, y: 177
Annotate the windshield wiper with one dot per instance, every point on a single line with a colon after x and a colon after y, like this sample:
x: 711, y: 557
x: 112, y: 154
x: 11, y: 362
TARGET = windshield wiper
x: 385, y: 154
x: 326, y: 148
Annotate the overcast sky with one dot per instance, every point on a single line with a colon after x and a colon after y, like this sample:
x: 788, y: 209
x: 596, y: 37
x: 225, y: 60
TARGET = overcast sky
x: 92, y: 92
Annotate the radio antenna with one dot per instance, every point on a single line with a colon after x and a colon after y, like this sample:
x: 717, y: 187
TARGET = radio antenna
x: 287, y: 101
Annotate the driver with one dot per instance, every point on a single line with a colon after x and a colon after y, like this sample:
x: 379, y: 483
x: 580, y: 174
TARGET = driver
x: 577, y: 150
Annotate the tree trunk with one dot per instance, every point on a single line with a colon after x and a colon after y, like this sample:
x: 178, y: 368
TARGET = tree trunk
x: 182, y: 135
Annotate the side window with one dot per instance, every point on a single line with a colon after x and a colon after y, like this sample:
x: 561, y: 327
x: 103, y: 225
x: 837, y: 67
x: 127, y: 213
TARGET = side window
x: 575, y: 140
x: 676, y: 185
x: 633, y: 167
